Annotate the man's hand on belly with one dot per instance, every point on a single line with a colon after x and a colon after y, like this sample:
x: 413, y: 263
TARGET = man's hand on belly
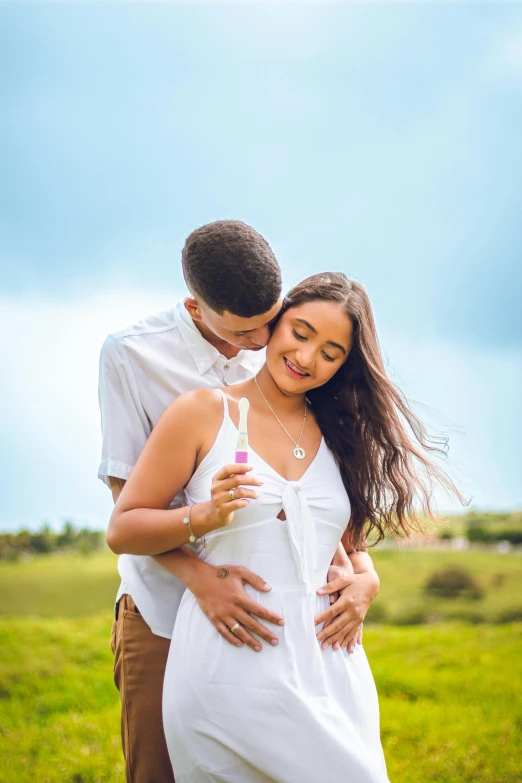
x: 343, y: 619
x: 220, y: 593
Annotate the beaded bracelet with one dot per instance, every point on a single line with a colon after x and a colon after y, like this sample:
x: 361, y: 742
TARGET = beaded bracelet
x: 193, y: 537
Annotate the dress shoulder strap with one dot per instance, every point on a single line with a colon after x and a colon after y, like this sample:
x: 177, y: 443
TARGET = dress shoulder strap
x: 225, y: 403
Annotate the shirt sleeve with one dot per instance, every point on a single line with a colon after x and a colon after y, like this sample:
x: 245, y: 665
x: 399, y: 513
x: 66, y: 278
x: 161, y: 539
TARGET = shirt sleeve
x: 125, y: 426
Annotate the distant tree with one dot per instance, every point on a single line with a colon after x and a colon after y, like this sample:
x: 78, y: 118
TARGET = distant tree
x: 89, y: 540
x: 68, y: 535
x: 43, y: 542
x: 7, y: 550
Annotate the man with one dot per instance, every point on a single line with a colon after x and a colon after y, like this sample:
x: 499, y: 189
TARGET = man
x: 212, y: 339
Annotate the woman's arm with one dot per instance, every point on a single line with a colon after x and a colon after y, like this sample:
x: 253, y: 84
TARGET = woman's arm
x: 219, y: 598
x: 142, y: 523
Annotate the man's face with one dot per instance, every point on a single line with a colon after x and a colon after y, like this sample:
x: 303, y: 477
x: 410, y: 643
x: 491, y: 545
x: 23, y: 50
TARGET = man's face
x: 250, y: 334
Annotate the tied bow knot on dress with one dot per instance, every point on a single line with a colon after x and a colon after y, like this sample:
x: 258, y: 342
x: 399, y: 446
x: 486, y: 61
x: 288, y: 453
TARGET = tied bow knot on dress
x: 301, y: 532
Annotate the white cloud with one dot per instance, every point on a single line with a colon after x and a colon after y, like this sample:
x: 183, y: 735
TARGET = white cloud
x: 50, y: 431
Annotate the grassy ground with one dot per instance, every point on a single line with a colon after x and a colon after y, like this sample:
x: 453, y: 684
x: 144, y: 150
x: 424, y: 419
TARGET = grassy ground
x: 404, y: 573
x: 59, y: 718
x: 59, y: 585
x: 448, y: 712
x: 449, y: 692
x: 76, y: 585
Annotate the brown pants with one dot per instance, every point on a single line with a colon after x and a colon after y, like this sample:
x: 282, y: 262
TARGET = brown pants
x: 140, y: 658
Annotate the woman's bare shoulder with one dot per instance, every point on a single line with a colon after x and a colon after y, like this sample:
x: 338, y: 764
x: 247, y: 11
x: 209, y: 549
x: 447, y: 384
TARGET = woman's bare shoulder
x: 199, y: 397
x: 196, y: 407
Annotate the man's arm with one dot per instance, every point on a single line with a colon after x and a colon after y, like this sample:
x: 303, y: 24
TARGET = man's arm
x: 116, y: 485
x: 361, y: 562
x: 353, y: 584
x: 221, y: 599
x: 124, y: 423
x: 220, y: 593
x: 345, y: 555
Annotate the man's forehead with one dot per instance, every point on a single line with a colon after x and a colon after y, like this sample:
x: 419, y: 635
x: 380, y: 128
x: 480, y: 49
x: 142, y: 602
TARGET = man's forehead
x: 238, y: 324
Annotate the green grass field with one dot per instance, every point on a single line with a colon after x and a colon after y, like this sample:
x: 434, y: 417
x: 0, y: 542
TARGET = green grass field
x: 449, y: 692
x: 404, y: 573
x: 52, y: 586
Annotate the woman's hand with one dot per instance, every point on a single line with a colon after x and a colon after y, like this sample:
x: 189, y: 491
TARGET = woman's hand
x: 229, y: 493
x: 343, y: 619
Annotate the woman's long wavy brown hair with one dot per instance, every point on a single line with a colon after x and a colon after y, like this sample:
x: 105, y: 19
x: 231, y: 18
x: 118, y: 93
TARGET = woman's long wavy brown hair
x: 380, y: 445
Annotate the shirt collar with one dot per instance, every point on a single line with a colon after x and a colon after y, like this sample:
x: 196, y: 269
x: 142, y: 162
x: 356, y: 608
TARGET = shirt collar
x: 204, y: 354
x: 251, y: 360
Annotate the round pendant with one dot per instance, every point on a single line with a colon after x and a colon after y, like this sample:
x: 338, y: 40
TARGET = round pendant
x: 299, y: 453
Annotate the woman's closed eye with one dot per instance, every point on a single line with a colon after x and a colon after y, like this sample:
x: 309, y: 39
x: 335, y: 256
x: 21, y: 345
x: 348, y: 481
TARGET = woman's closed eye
x: 299, y: 336
x: 303, y: 337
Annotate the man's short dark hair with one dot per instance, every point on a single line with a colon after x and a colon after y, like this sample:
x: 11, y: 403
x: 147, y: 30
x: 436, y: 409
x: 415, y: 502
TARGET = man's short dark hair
x: 231, y: 267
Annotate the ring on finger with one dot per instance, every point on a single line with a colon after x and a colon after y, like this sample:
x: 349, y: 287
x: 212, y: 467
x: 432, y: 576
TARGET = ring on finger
x: 235, y: 628
x: 232, y: 494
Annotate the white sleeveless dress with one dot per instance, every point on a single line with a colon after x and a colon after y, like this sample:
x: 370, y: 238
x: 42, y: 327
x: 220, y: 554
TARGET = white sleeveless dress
x: 293, y: 713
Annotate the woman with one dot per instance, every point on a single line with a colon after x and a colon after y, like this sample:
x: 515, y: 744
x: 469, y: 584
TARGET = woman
x: 331, y: 459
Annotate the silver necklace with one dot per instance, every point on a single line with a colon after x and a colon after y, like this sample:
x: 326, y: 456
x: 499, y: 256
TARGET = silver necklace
x: 298, y: 452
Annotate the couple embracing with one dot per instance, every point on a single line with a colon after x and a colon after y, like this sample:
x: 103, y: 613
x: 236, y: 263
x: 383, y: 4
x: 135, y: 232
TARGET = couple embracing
x: 238, y: 629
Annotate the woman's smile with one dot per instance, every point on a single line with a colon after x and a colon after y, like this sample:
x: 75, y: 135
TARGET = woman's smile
x: 294, y: 370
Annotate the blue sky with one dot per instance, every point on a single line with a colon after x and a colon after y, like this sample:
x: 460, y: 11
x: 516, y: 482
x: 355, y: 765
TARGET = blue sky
x: 382, y: 139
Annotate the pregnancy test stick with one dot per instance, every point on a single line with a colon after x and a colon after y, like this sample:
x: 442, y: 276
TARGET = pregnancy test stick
x: 242, y: 438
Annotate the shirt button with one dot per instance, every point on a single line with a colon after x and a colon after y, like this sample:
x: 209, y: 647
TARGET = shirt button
x: 226, y: 367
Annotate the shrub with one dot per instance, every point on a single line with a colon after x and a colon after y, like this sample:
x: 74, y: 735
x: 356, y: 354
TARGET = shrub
x: 413, y: 615
x: 468, y: 616
x: 452, y: 582
x: 512, y: 615
x: 513, y: 536
x: 377, y: 613
x: 479, y: 534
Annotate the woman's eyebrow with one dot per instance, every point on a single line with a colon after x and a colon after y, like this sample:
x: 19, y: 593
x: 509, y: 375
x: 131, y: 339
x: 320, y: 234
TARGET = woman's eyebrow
x: 314, y: 331
x: 302, y: 321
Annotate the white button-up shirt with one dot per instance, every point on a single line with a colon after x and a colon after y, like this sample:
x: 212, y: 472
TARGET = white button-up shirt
x: 142, y: 370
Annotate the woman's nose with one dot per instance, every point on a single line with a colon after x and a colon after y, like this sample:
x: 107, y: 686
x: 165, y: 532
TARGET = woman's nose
x: 304, y: 358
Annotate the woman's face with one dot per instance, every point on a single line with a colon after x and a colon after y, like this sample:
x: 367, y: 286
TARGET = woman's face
x: 309, y: 344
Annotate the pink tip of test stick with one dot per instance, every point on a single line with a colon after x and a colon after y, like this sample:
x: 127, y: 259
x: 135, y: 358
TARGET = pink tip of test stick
x: 242, y: 437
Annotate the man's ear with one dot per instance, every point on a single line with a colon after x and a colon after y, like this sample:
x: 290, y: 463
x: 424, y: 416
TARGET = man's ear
x: 193, y: 308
